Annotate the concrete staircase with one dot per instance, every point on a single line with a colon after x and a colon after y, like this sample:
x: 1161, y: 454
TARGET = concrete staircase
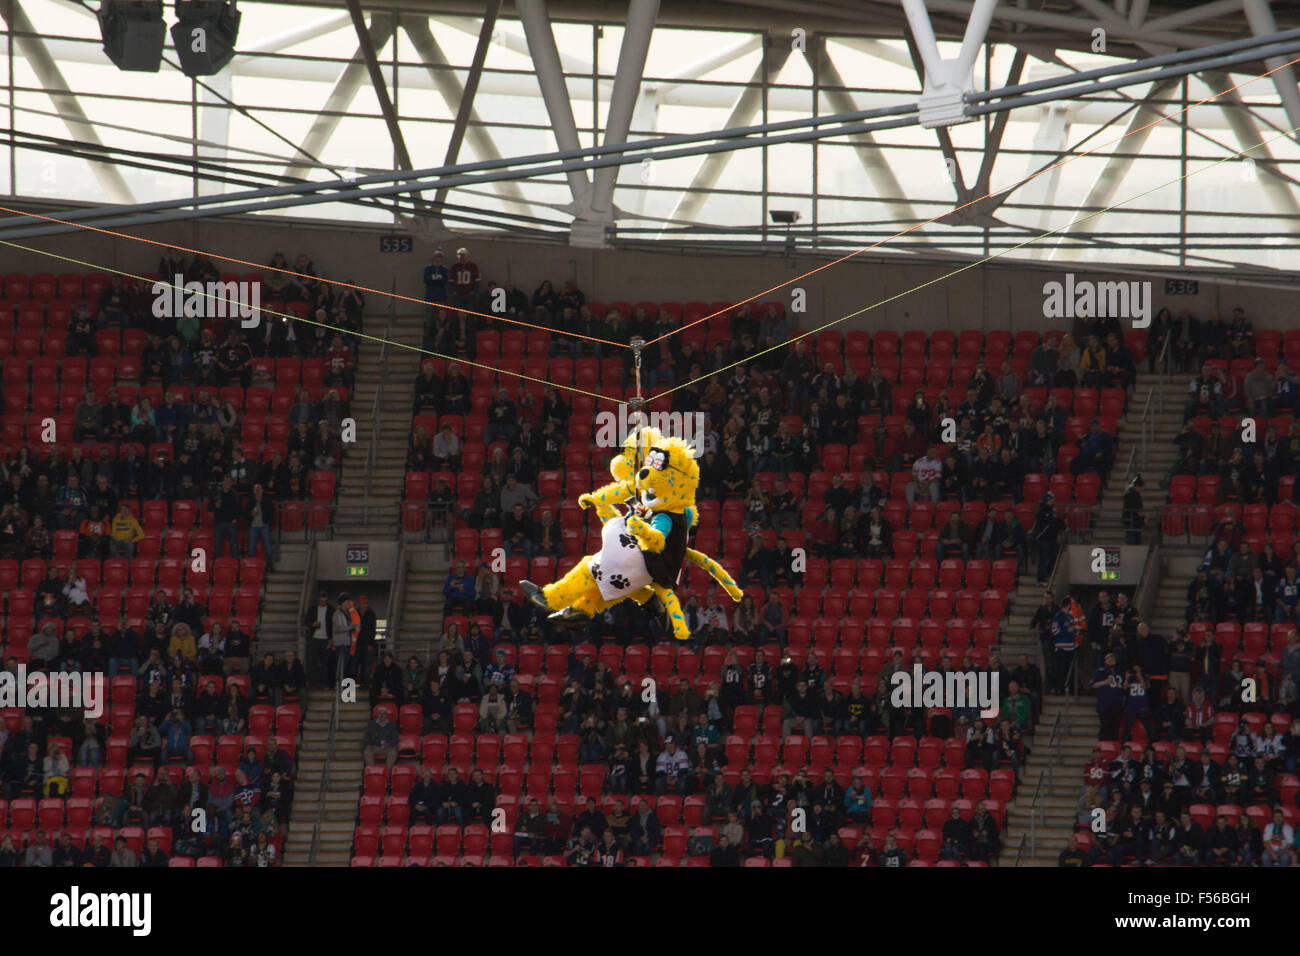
x: 331, y: 805
x: 1055, y: 774
x: 336, y: 814
x: 420, y: 613
x: 378, y: 511
x: 1154, y: 447
x: 278, y: 630
x: 1017, y: 638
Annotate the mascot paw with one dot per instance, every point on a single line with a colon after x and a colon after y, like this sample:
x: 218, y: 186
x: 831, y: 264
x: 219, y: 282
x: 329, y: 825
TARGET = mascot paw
x: 534, y: 594
x: 586, y: 501
x: 735, y: 592
x: 637, y: 525
x: 570, y: 617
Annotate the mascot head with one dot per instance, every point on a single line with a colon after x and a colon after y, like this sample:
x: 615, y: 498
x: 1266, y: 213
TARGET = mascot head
x: 624, y: 465
x: 668, y: 477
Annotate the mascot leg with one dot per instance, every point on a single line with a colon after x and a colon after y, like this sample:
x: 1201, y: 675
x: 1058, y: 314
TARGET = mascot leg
x: 676, y: 616
x: 574, y: 599
x: 571, y: 588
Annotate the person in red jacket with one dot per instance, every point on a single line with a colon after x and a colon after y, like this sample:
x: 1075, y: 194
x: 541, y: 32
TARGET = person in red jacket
x: 1198, y: 717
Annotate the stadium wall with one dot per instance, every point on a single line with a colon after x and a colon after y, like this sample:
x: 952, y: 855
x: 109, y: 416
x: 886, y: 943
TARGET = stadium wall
x: 996, y: 295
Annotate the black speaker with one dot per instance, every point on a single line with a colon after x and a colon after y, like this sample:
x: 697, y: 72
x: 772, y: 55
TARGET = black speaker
x: 204, y: 35
x: 134, y: 33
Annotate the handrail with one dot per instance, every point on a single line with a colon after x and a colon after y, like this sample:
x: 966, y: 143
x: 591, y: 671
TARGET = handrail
x: 308, y: 582
x: 308, y: 579
x: 372, y: 450
x: 1144, y: 596
x: 325, y: 778
x: 1059, y: 733
x: 1034, y: 809
x: 397, y: 591
x: 1144, y: 425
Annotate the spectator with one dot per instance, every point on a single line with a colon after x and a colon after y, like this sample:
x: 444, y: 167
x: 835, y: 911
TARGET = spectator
x: 260, y: 514
x: 464, y: 278
x: 380, y: 739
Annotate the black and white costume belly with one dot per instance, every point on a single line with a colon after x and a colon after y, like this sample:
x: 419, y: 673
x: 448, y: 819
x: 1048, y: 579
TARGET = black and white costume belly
x: 619, y: 568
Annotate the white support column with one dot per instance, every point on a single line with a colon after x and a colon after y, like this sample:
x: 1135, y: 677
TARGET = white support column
x: 873, y: 159
x: 1262, y: 23
x: 32, y: 48
x: 296, y: 35
x: 947, y: 81
x: 1115, y: 24
x: 1111, y: 176
x: 1246, y: 129
x: 340, y: 98
x: 453, y: 91
x: 1051, y: 139
x: 555, y: 92
x: 214, y: 126
x: 742, y: 113
x: 632, y: 53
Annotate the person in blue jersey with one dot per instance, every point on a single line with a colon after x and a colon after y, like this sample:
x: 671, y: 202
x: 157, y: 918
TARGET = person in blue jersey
x: 1137, y: 702
x: 1108, y: 684
x: 1064, y: 643
x: 435, y: 280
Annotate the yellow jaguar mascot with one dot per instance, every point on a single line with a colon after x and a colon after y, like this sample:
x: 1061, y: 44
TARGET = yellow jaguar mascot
x: 641, y: 551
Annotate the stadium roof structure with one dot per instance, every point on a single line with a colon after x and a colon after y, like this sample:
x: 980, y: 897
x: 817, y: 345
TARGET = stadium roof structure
x: 1146, y: 131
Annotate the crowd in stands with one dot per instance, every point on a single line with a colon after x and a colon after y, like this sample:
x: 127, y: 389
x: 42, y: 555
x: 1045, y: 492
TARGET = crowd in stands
x: 1200, y: 741
x: 130, y: 440
x: 939, y: 466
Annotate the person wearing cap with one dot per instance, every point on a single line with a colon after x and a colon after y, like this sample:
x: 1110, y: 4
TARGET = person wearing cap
x: 671, y: 768
x: 435, y: 281
x: 499, y: 672
x: 464, y: 280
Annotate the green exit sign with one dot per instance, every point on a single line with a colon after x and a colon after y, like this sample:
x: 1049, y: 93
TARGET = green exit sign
x: 1108, y: 576
x: 358, y: 571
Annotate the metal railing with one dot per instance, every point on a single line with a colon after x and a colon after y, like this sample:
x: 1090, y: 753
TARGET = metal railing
x: 1144, y: 597
x: 1060, y: 732
x: 308, y: 581
x: 305, y: 598
x: 396, y: 595
x: 381, y: 366
x: 1146, y: 421
x: 1045, y: 773
x: 324, y: 780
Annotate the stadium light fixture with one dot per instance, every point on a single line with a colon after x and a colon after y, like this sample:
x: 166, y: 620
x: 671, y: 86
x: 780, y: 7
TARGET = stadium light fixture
x: 204, y: 35
x: 133, y: 33
x: 784, y: 217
